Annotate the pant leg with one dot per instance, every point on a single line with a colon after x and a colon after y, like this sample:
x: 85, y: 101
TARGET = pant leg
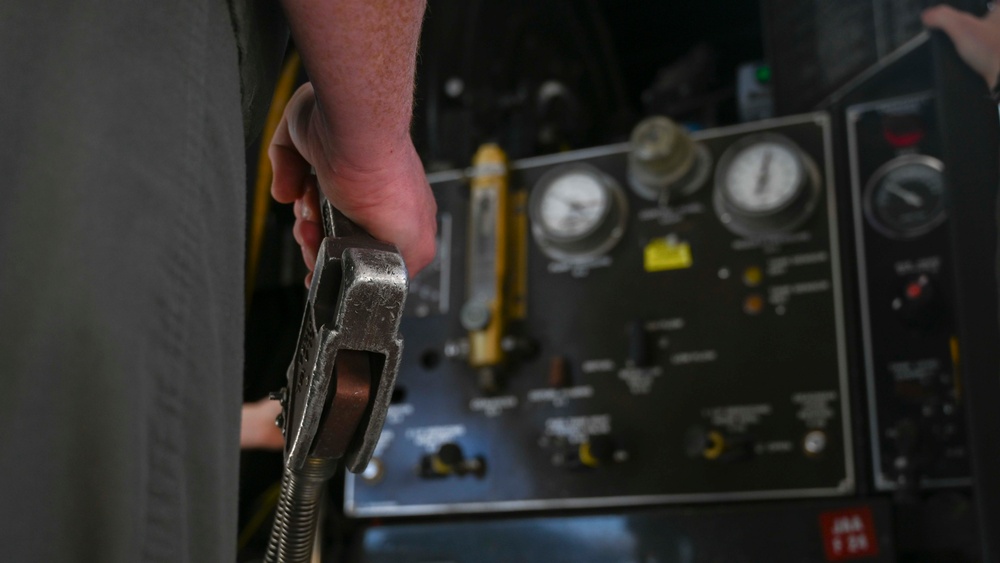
x: 121, y: 265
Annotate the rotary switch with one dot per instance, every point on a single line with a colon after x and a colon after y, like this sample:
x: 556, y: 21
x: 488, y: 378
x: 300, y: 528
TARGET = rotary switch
x: 451, y: 460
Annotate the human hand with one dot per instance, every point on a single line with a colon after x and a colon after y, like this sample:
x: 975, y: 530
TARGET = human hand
x: 976, y: 39
x: 387, y: 194
x: 257, y: 428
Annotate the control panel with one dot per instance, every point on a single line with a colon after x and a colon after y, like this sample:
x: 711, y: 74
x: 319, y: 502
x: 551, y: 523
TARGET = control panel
x: 911, y: 351
x: 659, y: 321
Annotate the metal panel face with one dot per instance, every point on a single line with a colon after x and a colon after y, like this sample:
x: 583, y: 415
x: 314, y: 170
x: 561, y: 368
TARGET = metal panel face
x: 906, y: 291
x: 685, y: 364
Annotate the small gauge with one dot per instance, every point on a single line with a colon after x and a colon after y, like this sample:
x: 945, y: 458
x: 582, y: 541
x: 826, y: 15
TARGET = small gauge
x: 577, y: 213
x: 573, y: 205
x: 905, y: 198
x: 765, y: 184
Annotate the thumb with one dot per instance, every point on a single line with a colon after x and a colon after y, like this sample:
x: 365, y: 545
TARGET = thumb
x: 290, y: 152
x: 300, y: 114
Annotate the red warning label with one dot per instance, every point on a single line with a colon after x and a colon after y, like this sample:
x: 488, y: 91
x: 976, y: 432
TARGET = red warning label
x: 849, y: 534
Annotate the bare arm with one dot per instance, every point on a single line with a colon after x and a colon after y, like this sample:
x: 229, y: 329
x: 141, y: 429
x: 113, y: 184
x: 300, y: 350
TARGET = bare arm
x: 352, y: 123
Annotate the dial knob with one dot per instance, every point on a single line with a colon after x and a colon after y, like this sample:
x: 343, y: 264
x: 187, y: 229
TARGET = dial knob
x: 765, y: 184
x: 451, y: 460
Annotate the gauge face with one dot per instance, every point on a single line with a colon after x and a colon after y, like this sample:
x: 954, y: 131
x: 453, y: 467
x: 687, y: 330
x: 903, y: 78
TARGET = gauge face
x: 573, y: 205
x: 577, y: 213
x: 765, y: 184
x: 763, y: 177
x: 906, y: 197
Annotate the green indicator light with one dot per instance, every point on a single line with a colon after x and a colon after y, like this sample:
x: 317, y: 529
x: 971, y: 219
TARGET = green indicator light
x: 763, y: 74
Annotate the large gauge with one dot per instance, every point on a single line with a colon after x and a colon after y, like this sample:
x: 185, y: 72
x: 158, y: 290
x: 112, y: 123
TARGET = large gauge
x: 905, y: 198
x: 765, y: 184
x: 577, y: 213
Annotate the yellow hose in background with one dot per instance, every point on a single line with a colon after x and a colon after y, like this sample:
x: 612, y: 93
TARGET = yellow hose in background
x: 283, y: 91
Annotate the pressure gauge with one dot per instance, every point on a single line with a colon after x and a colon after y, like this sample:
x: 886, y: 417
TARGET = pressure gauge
x: 763, y: 177
x: 577, y: 213
x: 905, y: 198
x: 765, y: 184
x: 573, y: 205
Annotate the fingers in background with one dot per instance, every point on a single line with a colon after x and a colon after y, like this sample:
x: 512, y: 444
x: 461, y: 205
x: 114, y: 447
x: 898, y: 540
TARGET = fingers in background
x: 976, y: 39
x: 309, y: 235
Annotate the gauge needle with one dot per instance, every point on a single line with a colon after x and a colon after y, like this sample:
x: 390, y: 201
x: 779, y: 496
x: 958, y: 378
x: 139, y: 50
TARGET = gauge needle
x: 909, y: 197
x: 579, y: 206
x: 765, y: 167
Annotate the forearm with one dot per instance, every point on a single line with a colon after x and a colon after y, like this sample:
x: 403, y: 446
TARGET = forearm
x: 351, y: 125
x: 360, y: 56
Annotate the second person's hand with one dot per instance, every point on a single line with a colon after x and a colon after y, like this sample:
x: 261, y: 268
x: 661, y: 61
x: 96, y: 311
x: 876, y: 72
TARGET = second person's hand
x: 976, y: 39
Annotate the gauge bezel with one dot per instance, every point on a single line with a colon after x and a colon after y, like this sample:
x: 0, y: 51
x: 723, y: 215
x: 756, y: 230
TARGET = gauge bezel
x: 600, y: 238
x: 737, y: 148
x: 545, y: 186
x: 876, y: 180
x: 791, y: 215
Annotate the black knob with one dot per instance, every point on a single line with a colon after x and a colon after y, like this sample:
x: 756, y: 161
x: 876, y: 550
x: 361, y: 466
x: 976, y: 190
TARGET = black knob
x: 918, y: 302
x: 450, y: 454
x: 451, y: 460
x: 600, y: 450
x: 638, y: 344
x: 603, y: 448
x: 716, y: 445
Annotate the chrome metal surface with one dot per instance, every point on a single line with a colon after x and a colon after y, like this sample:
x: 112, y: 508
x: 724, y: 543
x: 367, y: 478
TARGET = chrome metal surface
x: 341, y: 379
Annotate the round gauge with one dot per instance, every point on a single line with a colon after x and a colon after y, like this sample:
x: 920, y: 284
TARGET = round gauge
x: 764, y: 184
x: 573, y: 205
x: 905, y: 198
x: 577, y: 213
x: 763, y: 177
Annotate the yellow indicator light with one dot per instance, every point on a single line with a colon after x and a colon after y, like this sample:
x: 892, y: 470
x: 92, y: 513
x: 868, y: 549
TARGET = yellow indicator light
x: 439, y: 467
x: 752, y: 276
x: 753, y: 304
x: 715, y: 446
x: 586, y: 457
x: 666, y: 254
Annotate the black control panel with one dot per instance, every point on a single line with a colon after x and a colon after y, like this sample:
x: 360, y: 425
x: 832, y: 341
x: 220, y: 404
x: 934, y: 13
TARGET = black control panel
x: 911, y: 349
x: 659, y: 345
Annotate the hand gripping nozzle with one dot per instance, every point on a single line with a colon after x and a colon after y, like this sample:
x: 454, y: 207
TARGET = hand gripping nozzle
x: 341, y: 378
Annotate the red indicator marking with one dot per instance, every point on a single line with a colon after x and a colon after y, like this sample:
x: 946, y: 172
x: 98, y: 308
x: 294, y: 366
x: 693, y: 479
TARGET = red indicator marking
x: 903, y: 139
x: 914, y: 289
x: 848, y: 534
